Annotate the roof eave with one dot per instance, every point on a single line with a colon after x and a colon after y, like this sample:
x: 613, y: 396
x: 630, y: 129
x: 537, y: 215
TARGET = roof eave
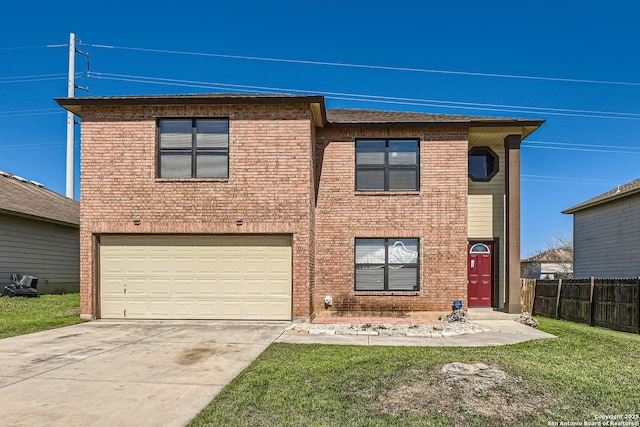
x: 587, y: 205
x: 75, y: 105
x: 40, y: 218
x: 439, y: 124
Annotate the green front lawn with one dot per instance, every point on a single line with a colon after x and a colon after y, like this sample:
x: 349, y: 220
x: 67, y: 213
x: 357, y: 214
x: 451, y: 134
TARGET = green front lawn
x: 19, y: 316
x: 583, y: 373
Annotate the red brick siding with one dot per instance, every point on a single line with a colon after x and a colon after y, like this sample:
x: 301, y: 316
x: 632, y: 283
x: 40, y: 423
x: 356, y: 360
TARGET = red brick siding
x: 437, y: 215
x: 272, y: 187
x: 270, y: 164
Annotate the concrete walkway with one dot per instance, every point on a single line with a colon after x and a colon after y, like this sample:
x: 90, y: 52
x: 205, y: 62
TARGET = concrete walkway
x: 133, y: 373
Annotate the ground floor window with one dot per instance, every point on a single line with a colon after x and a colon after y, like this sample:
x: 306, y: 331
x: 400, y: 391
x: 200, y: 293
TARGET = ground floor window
x: 386, y: 264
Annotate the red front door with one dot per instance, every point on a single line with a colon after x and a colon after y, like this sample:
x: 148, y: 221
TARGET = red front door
x: 480, y: 270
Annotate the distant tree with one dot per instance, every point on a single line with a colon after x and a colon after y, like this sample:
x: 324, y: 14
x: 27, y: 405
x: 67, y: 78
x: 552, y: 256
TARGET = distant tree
x: 561, y: 241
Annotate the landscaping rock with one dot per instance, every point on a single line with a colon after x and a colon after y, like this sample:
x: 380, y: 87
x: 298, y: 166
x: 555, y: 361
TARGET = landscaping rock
x: 457, y: 371
x: 401, y: 330
x: 526, y: 319
x: 455, y: 316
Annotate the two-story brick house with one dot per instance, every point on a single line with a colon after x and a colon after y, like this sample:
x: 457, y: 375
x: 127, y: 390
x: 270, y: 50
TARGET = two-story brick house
x: 261, y: 206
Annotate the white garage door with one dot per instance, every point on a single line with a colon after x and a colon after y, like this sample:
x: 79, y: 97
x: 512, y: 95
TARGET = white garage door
x: 195, y: 277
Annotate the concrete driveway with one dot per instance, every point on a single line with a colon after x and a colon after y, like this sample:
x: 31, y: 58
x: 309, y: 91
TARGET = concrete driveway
x: 129, y: 373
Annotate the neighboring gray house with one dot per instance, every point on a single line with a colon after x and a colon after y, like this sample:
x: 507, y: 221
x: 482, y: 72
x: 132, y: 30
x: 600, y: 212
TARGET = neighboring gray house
x: 606, y: 234
x: 549, y: 264
x: 39, y: 235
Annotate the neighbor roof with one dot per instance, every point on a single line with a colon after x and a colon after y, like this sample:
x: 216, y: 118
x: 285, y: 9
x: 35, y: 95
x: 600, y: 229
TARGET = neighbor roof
x: 552, y: 255
x: 325, y: 117
x: 619, y: 192
x: 21, y: 197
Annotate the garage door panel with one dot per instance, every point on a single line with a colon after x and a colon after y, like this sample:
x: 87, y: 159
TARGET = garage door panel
x: 161, y: 287
x: 180, y: 265
x: 206, y: 264
x: 204, y: 277
x: 155, y: 264
x: 254, y: 264
x: 228, y: 264
x: 204, y: 287
x: 135, y: 309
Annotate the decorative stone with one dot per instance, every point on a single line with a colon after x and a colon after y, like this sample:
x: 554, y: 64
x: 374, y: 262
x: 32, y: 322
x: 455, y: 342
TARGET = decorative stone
x: 526, y: 319
x: 458, y: 369
x: 455, y: 316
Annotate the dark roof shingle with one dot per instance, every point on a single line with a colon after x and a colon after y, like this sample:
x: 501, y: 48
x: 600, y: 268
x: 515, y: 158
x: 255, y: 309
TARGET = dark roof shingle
x: 329, y: 117
x: 353, y: 115
x: 26, y: 198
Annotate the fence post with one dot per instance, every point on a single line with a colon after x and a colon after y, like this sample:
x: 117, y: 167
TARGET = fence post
x: 592, y: 304
x: 638, y: 306
x: 533, y: 304
x: 558, y: 299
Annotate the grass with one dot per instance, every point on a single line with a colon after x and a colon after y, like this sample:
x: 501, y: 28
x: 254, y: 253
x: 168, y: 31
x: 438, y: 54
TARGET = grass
x: 19, y: 316
x: 583, y: 373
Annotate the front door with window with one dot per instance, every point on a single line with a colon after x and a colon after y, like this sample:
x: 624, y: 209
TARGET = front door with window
x: 480, y: 274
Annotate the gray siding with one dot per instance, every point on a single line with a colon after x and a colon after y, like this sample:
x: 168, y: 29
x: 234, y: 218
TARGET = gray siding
x: 607, y: 239
x: 43, y: 249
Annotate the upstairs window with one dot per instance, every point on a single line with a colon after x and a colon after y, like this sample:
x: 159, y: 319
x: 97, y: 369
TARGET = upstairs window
x: 193, y: 148
x: 483, y: 164
x: 387, y: 164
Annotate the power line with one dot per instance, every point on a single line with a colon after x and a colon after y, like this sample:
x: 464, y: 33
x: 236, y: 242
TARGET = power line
x: 584, y: 145
x: 591, y: 150
x: 567, y: 180
x: 24, y: 47
x: 32, y: 78
x: 373, y: 98
x: 3, y: 115
x: 364, y: 66
x: 24, y: 147
x: 29, y: 111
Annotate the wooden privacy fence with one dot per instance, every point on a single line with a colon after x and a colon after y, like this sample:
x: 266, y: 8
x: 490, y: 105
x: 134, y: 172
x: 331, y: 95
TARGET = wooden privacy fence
x: 610, y: 303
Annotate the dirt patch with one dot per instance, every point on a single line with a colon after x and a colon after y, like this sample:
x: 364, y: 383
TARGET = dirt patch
x: 194, y: 355
x: 460, y: 398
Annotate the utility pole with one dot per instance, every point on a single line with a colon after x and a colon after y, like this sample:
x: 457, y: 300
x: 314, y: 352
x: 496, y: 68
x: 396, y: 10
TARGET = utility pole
x: 71, y: 88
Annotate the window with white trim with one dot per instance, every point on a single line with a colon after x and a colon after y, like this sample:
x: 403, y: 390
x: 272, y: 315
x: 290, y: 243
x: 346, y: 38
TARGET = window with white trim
x: 193, y: 148
x: 386, y: 265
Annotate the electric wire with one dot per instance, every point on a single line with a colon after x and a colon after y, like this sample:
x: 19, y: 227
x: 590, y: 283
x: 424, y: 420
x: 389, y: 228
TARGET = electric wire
x: 3, y: 115
x: 38, y: 146
x: 32, y: 76
x: 582, y: 145
x: 567, y: 180
x: 371, y: 98
x: 33, y: 112
x: 24, y: 47
x: 362, y: 66
x: 589, y: 150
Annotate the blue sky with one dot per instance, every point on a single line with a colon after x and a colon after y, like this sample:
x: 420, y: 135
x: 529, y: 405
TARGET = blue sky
x: 586, y: 51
